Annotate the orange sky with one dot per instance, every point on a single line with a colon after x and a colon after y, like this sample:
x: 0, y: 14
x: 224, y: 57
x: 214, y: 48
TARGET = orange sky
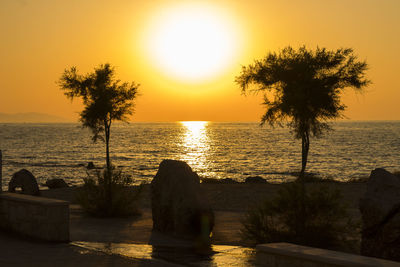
x: 40, y: 38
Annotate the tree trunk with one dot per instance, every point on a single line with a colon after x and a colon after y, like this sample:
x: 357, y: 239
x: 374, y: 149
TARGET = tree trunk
x: 108, y: 164
x: 108, y: 174
x: 305, y: 146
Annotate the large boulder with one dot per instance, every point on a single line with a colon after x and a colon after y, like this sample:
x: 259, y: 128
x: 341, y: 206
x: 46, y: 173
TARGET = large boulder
x: 56, y: 183
x: 178, y: 204
x: 255, y: 180
x: 26, y: 181
x: 380, y: 209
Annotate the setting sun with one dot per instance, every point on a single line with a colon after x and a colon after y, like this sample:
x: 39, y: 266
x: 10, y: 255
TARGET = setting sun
x: 192, y: 42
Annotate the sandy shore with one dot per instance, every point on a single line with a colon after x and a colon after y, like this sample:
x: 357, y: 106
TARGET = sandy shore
x: 229, y: 201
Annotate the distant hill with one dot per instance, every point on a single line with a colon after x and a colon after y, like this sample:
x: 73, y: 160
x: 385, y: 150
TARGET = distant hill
x: 30, y: 117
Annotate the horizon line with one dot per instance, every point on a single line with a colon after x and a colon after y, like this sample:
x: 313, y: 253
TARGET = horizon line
x: 178, y: 121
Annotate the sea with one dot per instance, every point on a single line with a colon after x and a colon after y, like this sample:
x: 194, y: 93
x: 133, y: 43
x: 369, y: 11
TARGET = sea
x: 219, y: 150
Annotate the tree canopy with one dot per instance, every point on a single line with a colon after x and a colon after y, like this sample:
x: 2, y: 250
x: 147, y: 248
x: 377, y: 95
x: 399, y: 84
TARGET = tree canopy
x: 302, y: 88
x: 105, y: 98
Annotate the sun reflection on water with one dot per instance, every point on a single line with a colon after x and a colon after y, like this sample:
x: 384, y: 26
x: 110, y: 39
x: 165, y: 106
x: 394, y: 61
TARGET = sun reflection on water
x: 195, y: 144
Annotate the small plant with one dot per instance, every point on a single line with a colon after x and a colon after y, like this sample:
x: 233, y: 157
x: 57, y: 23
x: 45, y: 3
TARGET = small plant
x: 122, y: 200
x: 313, y: 217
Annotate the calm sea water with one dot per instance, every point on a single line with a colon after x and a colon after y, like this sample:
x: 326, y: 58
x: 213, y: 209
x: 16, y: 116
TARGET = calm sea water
x: 215, y: 150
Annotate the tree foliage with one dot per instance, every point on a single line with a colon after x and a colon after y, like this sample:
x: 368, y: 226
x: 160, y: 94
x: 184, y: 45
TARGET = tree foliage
x: 105, y: 98
x: 302, y: 88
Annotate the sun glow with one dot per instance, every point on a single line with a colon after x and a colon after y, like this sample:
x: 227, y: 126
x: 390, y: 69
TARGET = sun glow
x: 192, y: 42
x: 195, y: 128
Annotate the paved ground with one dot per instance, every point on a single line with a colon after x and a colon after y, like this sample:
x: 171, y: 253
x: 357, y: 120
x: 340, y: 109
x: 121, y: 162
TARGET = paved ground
x: 122, y: 242
x: 15, y: 251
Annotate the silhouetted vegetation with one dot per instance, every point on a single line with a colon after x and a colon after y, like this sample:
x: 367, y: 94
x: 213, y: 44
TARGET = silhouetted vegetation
x: 302, y: 88
x: 313, y: 178
x: 93, y: 195
x: 106, y: 100
x: 317, y: 218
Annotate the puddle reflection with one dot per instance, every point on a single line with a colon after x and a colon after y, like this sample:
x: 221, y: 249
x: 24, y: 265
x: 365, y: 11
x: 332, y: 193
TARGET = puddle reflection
x: 221, y: 255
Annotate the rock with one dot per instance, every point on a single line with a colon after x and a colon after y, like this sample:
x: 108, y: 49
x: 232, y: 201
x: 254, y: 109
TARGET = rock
x: 56, y: 183
x: 380, y: 210
x: 26, y: 181
x: 90, y: 165
x: 218, y: 181
x: 210, y: 181
x: 228, y: 181
x: 255, y: 179
x: 178, y: 204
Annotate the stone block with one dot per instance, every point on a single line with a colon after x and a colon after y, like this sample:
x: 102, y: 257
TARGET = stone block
x: 36, y: 217
x: 286, y: 254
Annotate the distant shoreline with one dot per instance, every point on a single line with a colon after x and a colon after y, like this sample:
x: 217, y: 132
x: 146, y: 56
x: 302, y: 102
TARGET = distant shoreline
x: 33, y: 117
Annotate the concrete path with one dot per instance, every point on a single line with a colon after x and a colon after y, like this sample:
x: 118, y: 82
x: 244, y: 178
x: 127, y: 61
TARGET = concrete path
x: 15, y: 251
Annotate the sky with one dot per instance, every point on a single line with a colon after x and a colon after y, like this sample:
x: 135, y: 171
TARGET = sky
x: 185, y: 54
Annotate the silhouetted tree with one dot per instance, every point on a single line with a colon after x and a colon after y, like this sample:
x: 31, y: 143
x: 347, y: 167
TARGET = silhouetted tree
x: 302, y: 88
x: 105, y: 98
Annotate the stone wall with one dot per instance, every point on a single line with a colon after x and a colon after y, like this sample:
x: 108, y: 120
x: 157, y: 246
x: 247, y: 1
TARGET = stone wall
x: 36, y: 217
x: 286, y: 254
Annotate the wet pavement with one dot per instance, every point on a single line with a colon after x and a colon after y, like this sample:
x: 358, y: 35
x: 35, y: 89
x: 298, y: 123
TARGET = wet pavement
x: 218, y: 255
x: 19, y: 251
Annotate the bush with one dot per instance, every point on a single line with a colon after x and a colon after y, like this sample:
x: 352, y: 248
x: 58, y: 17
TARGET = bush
x: 119, y: 200
x: 312, y: 217
x: 313, y: 178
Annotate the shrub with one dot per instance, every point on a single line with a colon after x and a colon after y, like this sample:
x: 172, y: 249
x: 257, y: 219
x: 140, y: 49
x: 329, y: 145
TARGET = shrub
x: 121, y: 201
x: 309, y: 177
x: 306, y: 216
